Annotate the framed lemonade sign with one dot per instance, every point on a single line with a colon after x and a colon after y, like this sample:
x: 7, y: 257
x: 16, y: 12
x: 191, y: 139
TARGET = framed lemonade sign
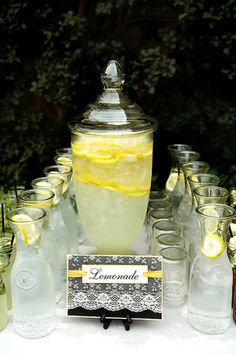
x: 115, y: 286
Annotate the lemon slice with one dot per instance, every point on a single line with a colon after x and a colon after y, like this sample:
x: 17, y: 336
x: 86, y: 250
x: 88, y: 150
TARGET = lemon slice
x: 131, y: 192
x: 52, y: 187
x: 233, y: 228
x: 41, y: 205
x: 213, y: 246
x: 23, y: 229
x: 211, y: 224
x: 43, y: 184
x: 194, y: 178
x: 64, y: 161
x: 181, y: 176
x: 109, y: 153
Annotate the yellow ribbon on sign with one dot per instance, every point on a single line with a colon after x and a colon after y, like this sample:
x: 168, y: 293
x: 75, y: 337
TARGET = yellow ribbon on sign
x: 76, y: 273
x: 82, y: 273
x: 153, y: 274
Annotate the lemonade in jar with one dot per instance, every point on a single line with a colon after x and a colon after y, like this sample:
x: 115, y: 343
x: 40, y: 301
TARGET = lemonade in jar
x: 112, y: 148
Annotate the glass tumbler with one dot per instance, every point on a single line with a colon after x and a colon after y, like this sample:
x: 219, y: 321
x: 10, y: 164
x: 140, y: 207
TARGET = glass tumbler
x: 164, y: 226
x: 158, y: 195
x: 175, y: 276
x: 167, y: 240
x: 156, y: 215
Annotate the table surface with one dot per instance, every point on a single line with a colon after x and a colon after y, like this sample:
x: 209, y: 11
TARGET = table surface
x: 78, y: 335
x: 172, y: 334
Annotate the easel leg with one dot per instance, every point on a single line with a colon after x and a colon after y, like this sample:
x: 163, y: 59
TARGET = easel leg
x: 127, y: 322
x: 106, y: 322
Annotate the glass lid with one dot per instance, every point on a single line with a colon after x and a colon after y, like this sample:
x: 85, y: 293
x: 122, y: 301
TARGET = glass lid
x: 113, y: 111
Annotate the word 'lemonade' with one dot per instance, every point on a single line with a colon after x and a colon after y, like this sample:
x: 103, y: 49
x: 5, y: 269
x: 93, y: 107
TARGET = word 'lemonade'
x: 112, y: 181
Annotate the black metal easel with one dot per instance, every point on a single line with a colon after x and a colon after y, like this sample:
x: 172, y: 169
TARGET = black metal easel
x: 106, y: 321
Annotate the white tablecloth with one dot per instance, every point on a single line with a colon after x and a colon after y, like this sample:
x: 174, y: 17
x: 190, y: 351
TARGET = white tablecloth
x: 173, y: 334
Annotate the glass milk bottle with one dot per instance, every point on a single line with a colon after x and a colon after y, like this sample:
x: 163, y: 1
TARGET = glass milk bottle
x: 8, y: 247
x: 67, y: 211
x: 173, y: 175
x: 56, y: 223
x: 4, y: 260
x: 64, y: 157
x: 210, y: 294
x: 178, y: 192
x: 191, y: 229
x: 112, y: 146
x: 184, y: 208
x: 33, y: 295
x: 43, y: 199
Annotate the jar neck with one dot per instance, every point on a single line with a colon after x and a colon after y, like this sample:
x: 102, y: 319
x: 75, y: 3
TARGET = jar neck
x: 64, y: 196
x: 216, y: 226
x: 174, y: 161
x: 192, y: 186
x: 55, y: 216
x: 186, y: 183
x: 30, y: 247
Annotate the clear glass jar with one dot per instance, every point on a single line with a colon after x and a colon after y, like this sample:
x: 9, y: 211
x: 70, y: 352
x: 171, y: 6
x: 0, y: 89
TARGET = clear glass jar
x: 161, y: 205
x: 178, y: 192
x: 112, y: 147
x: 44, y: 199
x: 160, y: 227
x: 56, y: 225
x: 155, y: 196
x: 64, y: 151
x: 158, y: 195
x: 8, y: 247
x: 210, y: 293
x: 173, y: 175
x: 4, y: 261
x: 175, y: 276
x: 64, y: 158
x: 154, y: 216
x: 184, y: 209
x: 67, y: 212
x: 31, y: 279
x: 167, y: 240
x: 191, y: 229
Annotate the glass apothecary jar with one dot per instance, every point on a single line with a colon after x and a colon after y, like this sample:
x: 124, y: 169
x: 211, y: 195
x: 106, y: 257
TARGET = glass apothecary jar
x: 112, y: 144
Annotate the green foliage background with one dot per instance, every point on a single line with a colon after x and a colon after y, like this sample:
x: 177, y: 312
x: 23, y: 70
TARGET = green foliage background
x: 179, y: 57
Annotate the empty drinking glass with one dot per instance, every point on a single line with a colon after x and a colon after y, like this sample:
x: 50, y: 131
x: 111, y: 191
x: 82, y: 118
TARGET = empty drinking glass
x: 160, y: 227
x: 162, y: 212
x: 167, y: 240
x: 175, y: 276
x: 158, y: 195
